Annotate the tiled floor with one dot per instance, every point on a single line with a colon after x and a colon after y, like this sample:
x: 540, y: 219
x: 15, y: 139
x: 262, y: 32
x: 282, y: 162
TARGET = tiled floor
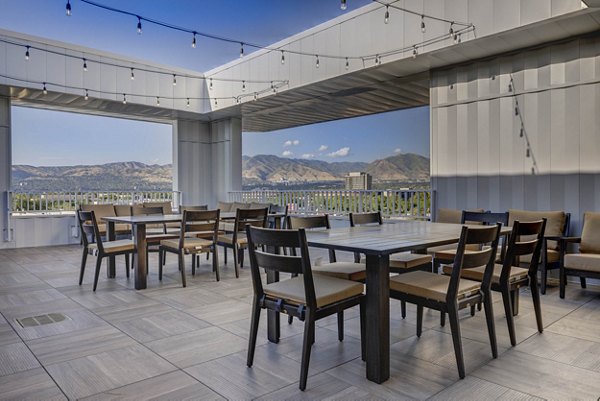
x: 172, y: 343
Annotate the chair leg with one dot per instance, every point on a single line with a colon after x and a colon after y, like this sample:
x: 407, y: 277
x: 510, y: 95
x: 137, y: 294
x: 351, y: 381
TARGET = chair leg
x: 182, y: 268
x: 363, y: 329
x: 403, y: 309
x: 458, y: 351
x: 127, y: 264
x: 419, y: 320
x: 224, y: 254
x: 544, y: 279
x: 537, y: 305
x: 253, y: 331
x: 514, y: 300
x: 583, y: 283
x: 83, y: 261
x: 506, y: 298
x: 491, y: 325
x: 215, y: 261
x: 97, y: 272
x: 442, y: 319
x: 563, y: 281
x: 235, y: 261
x: 160, y: 266
x: 309, y: 336
x: 340, y: 319
x: 290, y: 319
x: 241, y: 257
x: 473, y: 310
x: 194, y: 257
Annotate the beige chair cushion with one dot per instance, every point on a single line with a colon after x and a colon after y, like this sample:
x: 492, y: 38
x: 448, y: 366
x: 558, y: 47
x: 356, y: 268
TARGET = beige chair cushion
x: 552, y: 256
x: 402, y: 261
x: 256, y: 205
x: 123, y: 210
x: 431, y: 286
x: 225, y: 226
x: 166, y: 206
x: 189, y: 244
x: 555, y: 222
x: 590, y: 235
x: 225, y: 206
x: 516, y: 273
x: 453, y: 216
x: 120, y: 228
x: 208, y: 234
x: 228, y: 239
x: 100, y: 211
x: 583, y: 261
x: 328, y: 290
x: 115, y: 246
x: 239, y: 205
x: 449, y: 254
x: 346, y: 270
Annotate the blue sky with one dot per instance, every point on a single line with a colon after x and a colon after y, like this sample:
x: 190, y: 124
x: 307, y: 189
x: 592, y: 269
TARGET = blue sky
x: 260, y: 21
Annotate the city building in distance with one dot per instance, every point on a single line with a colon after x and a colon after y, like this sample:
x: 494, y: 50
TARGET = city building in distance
x: 359, y: 180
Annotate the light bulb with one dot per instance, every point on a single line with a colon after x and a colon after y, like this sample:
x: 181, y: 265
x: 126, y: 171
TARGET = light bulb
x: 139, y: 26
x: 386, y: 18
x: 237, y: 99
x: 210, y: 86
x: 174, y: 79
x: 317, y: 61
x: 157, y: 101
x: 44, y: 89
x: 84, y: 65
x: 27, y: 53
x: 188, y: 102
x: 451, y: 31
x: 216, y: 102
x: 255, y: 96
x: 516, y: 110
x: 282, y: 57
x: 455, y: 38
x: 124, y: 99
x: 510, y: 88
x: 243, y: 86
x: 68, y: 8
x: 194, y: 41
x: 377, y: 61
x: 347, y: 63
x: 528, y: 153
x: 521, y: 133
x: 422, y: 23
x: 415, y: 52
x: 241, y: 50
x: 86, y: 97
x: 132, y: 75
x: 343, y: 5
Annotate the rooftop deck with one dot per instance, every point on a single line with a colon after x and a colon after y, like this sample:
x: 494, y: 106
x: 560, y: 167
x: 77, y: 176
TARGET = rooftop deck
x: 169, y: 342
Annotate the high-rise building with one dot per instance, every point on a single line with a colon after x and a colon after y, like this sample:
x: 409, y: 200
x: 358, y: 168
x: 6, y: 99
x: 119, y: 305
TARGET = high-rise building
x: 358, y: 180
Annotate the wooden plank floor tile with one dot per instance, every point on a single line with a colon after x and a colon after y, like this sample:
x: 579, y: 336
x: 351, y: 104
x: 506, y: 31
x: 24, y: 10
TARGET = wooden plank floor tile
x: 16, y: 358
x: 474, y: 389
x: 34, y: 385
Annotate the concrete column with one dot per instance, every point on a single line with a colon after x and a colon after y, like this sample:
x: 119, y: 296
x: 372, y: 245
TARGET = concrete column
x: 5, y: 167
x: 207, y: 160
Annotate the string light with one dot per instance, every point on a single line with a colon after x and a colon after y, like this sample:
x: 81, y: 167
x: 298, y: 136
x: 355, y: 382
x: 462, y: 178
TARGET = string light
x: 86, y: 97
x: 194, y: 41
x: 423, y: 23
x: 317, y: 61
x: 510, y: 88
x: 255, y: 96
x: 216, y: 102
x: 132, y: 75
x: 282, y: 57
x: 241, y: 49
x: 415, y: 52
x: 343, y: 5
x: 174, y: 80
x: 157, y: 101
x: 44, y: 90
x: 347, y: 63
x: 528, y: 153
x: 139, y: 26
x: 124, y: 99
x: 68, y: 8
x: 243, y: 86
x: 210, y: 86
x: 377, y: 59
x: 84, y: 65
x: 521, y: 133
x: 516, y: 110
x: 237, y: 100
x: 456, y: 38
x: 386, y: 18
x: 27, y: 53
x: 188, y: 102
x: 451, y: 31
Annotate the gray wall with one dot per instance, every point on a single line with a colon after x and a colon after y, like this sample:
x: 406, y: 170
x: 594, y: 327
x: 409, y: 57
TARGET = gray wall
x: 478, y: 158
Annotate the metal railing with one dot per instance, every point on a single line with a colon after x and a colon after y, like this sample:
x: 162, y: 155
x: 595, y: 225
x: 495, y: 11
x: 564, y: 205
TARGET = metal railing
x: 69, y: 201
x: 414, y: 204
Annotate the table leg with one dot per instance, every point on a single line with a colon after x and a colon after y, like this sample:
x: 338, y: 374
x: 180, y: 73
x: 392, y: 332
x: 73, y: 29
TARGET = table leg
x: 110, y: 236
x: 378, y: 318
x: 273, y: 325
x: 141, y: 267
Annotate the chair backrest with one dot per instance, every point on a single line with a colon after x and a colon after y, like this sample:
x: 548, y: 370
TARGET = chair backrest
x: 137, y: 210
x: 319, y: 221
x: 453, y: 216
x: 526, y: 238
x: 254, y: 217
x: 357, y: 219
x: 264, y: 247
x: 557, y: 223
x: 166, y: 206
x: 199, y: 221
x: 123, y: 210
x: 590, y: 233
x: 193, y: 208
x: 89, y: 226
x: 485, y: 218
x: 278, y: 209
x: 486, y: 235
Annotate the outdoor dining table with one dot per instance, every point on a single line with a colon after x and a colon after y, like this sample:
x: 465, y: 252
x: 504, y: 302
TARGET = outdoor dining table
x: 378, y: 243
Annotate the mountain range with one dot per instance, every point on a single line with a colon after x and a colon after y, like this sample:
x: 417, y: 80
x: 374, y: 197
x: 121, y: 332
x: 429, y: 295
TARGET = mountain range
x: 256, y: 171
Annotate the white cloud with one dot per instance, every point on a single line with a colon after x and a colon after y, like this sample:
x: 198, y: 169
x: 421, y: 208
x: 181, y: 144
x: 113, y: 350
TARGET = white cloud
x: 343, y: 152
x: 323, y: 148
x: 308, y: 155
x: 287, y: 153
x: 290, y: 142
x: 397, y: 150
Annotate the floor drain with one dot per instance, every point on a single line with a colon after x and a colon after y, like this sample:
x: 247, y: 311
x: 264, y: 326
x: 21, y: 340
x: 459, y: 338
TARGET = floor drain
x: 41, y: 320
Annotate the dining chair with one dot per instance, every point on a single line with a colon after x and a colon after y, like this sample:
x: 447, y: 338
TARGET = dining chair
x: 449, y: 294
x: 99, y: 248
x: 277, y: 222
x: 237, y: 240
x: 305, y: 296
x: 399, y: 262
x: 525, y: 239
x: 194, y: 221
x: 586, y: 263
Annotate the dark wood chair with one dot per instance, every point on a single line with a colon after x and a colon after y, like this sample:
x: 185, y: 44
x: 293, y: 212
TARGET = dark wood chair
x: 586, y: 263
x: 306, y: 296
x: 400, y: 262
x: 237, y: 240
x: 101, y: 249
x: 507, y: 278
x: 204, y: 221
x: 449, y: 294
x: 277, y: 222
x: 193, y: 208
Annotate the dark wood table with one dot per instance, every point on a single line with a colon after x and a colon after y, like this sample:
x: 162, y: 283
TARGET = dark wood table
x: 138, y: 224
x: 378, y: 243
